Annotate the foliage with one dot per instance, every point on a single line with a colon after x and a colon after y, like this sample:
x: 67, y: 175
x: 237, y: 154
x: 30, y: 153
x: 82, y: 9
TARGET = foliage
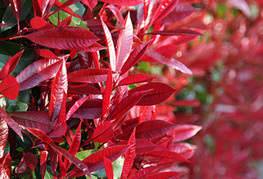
x: 83, y: 101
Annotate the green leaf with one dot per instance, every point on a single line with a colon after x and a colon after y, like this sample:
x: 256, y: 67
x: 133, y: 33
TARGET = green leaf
x: 117, y: 169
x: 77, y: 8
x: 9, y: 16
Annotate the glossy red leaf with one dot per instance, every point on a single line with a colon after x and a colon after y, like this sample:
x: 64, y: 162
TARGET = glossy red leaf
x: 59, y: 88
x: 176, y: 32
x: 129, y: 157
x: 3, y: 136
x: 124, y: 43
x: 33, y: 119
x: 164, y: 9
x: 110, y: 45
x: 43, y: 137
x: 29, y: 161
x: 171, y: 62
x: 65, y: 5
x: 65, y: 9
x: 10, y: 65
x: 38, y: 23
x: 127, y: 103
x: 16, y: 7
x: 9, y: 87
x: 183, y: 132
x: 167, y: 154
x: 153, y: 129
x: 90, y: 3
x: 75, y: 107
x: 45, y: 53
x: 184, y: 149
x: 38, y: 72
x: 11, y: 123
x: 124, y: 2
x: 43, y: 162
x: 134, y: 57
x: 106, y: 105
x: 96, y: 160
x: 181, y: 11
x: 142, y: 173
x: 171, y: 175
x: 83, y: 89
x: 136, y: 78
x: 88, y: 113
x: 103, y: 133
x: 58, y: 131
x: 158, y: 94
x: 117, y: 13
x: 88, y: 76
x: 5, y: 166
x: 64, y: 38
x: 3, y: 172
x: 144, y: 146
x: 108, y: 168
x: 74, y: 147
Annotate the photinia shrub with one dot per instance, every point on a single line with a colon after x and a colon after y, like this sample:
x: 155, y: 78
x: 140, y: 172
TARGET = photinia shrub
x: 85, y: 90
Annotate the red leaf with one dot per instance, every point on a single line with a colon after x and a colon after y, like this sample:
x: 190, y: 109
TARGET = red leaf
x: 144, y: 172
x: 3, y: 135
x: 5, y: 166
x: 90, y: 3
x: 103, y: 133
x: 88, y: 76
x: 126, y: 104
x: 43, y: 162
x: 96, y: 160
x: 134, y: 57
x: 165, y: 7
x: 108, y: 168
x: 39, y: 134
x: 153, y: 129
x: 144, y: 146
x: 168, y: 61
x: 11, y: 123
x: 129, y: 157
x: 33, y: 119
x: 181, y: 11
x: 82, y: 89
x: 173, y: 175
x: 183, y: 132
x: 159, y: 93
x: 46, y: 53
x: 124, y: 2
x: 110, y: 45
x: 124, y: 43
x: 75, y: 107
x: 106, y: 106
x: 136, y: 78
x: 65, y: 8
x: 59, y: 88
x: 38, y: 23
x: 10, y: 65
x: 38, y: 72
x: 29, y: 161
x: 167, y: 154
x: 9, y: 87
x: 16, y: 7
x: 175, y: 32
x: 184, y: 149
x: 74, y: 147
x: 64, y: 38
